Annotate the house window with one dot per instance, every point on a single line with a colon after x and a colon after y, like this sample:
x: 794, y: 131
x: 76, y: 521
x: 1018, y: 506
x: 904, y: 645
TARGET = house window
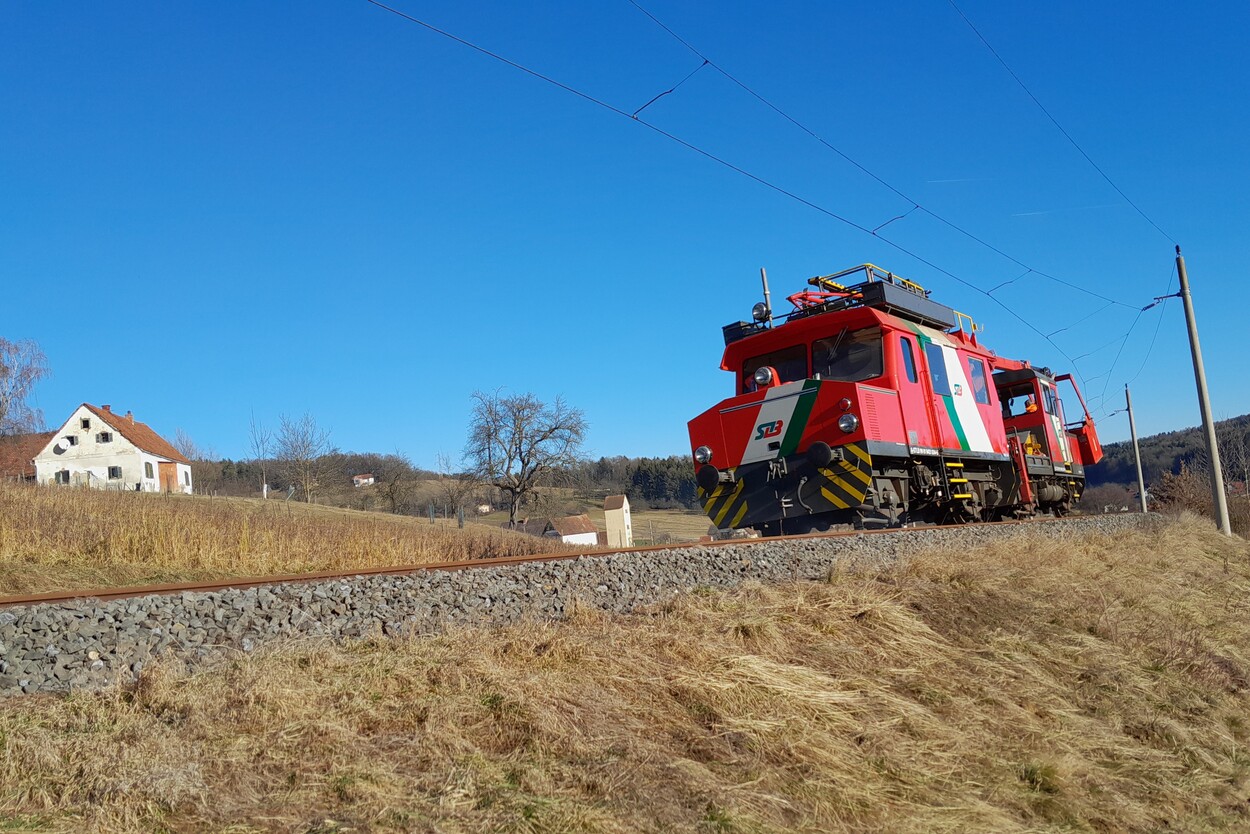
x: 147, y: 469
x: 115, y: 473
x: 86, y: 423
x: 104, y: 437
x: 186, y: 477
x: 71, y: 440
x: 62, y: 477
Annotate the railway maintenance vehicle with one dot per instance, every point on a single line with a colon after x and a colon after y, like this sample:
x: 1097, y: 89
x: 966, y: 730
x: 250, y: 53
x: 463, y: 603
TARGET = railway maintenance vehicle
x: 871, y: 405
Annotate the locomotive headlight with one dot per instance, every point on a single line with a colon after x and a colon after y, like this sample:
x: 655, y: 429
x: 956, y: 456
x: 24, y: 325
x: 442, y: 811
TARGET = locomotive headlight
x: 760, y: 311
x: 763, y: 376
x: 703, y: 455
x: 848, y: 423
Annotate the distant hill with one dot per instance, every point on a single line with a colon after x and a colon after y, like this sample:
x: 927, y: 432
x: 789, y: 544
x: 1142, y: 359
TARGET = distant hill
x: 1166, y: 452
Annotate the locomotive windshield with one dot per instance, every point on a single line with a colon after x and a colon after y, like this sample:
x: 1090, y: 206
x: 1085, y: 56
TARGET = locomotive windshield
x: 849, y: 357
x: 789, y: 363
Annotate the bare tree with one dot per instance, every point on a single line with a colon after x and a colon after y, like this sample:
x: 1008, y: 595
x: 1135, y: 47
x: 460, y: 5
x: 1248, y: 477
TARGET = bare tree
x: 396, y: 480
x: 260, y: 441
x: 303, y: 447
x: 206, y: 471
x: 186, y: 446
x: 22, y: 364
x: 454, y: 488
x: 1234, y: 454
x: 517, y: 443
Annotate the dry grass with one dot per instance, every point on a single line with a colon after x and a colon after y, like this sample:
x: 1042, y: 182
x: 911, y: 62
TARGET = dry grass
x: 1101, y: 687
x: 54, y: 539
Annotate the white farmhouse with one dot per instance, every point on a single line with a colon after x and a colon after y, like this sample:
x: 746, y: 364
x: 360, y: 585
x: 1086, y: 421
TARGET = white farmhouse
x: 98, y: 448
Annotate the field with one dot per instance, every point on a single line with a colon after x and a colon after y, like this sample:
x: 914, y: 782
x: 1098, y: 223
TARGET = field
x: 649, y: 526
x: 56, y: 539
x: 1102, y: 686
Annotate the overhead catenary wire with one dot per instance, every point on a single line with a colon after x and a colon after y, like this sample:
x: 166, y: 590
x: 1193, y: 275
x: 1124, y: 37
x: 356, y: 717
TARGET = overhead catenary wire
x: 670, y: 90
x: 737, y: 169
x: 861, y: 167
x: 707, y: 61
x: 1055, y: 121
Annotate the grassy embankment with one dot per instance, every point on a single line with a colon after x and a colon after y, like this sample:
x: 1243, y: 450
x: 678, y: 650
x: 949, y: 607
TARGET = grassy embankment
x: 1096, y: 686
x: 53, y: 539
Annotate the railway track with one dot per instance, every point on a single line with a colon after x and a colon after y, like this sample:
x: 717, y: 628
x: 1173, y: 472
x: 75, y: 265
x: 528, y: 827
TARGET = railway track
x: 94, y: 636
x: 175, y: 588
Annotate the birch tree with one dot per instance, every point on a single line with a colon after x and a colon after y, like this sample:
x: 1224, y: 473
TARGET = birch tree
x: 22, y: 364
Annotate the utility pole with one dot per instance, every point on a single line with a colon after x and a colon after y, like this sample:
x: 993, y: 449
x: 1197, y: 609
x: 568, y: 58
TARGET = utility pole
x: 1132, y: 430
x: 1204, y: 403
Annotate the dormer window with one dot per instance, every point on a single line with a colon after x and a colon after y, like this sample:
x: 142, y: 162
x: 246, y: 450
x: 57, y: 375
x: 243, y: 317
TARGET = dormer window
x: 86, y: 423
x: 71, y: 440
x: 104, y: 437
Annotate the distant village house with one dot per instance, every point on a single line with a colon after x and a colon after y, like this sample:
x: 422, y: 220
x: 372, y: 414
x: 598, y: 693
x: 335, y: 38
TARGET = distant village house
x: 17, y: 455
x: 362, y: 480
x: 573, y: 529
x: 616, y: 518
x: 100, y: 449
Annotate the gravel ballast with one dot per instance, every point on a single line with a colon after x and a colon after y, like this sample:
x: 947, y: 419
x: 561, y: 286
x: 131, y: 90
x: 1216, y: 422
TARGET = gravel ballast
x: 92, y: 643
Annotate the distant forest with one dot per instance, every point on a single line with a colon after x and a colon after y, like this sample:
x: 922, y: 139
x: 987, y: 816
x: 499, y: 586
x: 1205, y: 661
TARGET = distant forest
x: 656, y: 483
x: 1162, y: 453
x: 400, y: 487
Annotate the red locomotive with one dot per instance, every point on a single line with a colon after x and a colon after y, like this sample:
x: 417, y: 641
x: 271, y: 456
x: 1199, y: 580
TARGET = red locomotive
x: 871, y: 405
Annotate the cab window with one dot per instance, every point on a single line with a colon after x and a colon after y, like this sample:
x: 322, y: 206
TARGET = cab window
x: 937, y: 369
x: 976, y: 374
x: 849, y: 357
x: 909, y: 359
x: 1017, y: 400
x: 1049, y: 400
x: 789, y: 363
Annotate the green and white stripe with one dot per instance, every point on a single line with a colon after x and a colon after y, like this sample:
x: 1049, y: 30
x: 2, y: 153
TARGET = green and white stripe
x: 792, y: 405
x: 961, y: 408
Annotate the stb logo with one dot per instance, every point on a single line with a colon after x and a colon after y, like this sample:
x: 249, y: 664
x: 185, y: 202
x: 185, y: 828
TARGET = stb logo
x: 772, y: 429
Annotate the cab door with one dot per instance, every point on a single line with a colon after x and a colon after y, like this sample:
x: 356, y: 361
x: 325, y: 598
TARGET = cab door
x: 962, y: 426
x: 1055, y: 431
x: 913, y: 394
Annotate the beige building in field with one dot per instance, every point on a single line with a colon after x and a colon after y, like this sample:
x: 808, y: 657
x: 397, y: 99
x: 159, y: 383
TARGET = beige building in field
x: 616, y: 519
x: 100, y: 449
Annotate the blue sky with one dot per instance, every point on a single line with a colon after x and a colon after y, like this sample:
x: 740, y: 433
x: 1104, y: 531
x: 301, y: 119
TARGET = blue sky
x: 214, y: 210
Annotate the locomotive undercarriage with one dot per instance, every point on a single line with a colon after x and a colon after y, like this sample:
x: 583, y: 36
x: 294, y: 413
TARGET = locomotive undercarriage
x: 846, y: 488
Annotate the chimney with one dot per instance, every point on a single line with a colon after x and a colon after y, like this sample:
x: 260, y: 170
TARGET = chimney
x: 107, y: 408
x: 130, y: 415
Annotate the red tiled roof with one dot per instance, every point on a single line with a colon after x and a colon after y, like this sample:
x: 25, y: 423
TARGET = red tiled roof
x: 138, y: 433
x: 573, y: 525
x: 17, y: 453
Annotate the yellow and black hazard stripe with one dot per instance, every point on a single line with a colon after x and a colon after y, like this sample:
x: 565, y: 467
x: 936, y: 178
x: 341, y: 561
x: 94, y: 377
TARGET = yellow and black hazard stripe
x: 725, y: 505
x: 847, y: 480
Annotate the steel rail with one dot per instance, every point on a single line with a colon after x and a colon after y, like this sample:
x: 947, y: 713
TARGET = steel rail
x: 169, y: 589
